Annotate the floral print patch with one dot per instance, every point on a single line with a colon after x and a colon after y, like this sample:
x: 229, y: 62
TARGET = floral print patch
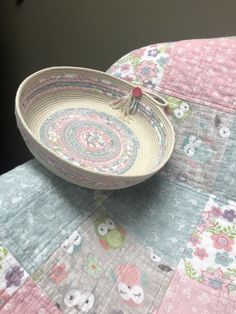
x: 210, y: 255
x: 12, y: 275
x: 144, y: 66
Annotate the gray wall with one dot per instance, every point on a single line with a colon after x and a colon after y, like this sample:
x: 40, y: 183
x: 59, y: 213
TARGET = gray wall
x: 90, y: 33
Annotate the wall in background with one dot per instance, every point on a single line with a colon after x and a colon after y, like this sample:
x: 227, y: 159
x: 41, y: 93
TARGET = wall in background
x: 90, y: 33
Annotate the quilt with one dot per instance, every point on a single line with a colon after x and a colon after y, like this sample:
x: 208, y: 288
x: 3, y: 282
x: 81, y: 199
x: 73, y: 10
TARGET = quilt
x: 167, y: 245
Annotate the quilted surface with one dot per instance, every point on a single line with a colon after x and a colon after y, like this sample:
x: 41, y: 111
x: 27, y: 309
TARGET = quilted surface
x: 167, y: 245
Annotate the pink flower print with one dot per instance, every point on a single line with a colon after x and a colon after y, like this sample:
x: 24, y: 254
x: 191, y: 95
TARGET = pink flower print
x: 194, y: 240
x: 146, y: 70
x: 112, y: 69
x: 205, y: 222
x: 58, y: 273
x: 222, y: 241
x: 138, y: 53
x: 216, y: 211
x: 200, y: 253
x: 125, y: 67
x: 216, y: 280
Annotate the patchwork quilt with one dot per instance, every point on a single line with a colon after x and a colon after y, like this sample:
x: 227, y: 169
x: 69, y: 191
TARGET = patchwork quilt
x: 167, y: 245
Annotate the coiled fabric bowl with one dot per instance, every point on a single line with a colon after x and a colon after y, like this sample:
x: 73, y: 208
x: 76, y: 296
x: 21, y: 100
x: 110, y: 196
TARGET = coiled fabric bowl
x: 68, y: 123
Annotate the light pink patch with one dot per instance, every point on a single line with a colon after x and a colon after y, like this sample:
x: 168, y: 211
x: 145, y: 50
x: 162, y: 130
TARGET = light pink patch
x: 203, y: 71
x: 29, y: 299
x: 185, y: 295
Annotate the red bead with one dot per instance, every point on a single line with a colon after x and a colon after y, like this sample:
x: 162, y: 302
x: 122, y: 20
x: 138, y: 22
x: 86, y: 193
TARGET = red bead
x: 137, y: 92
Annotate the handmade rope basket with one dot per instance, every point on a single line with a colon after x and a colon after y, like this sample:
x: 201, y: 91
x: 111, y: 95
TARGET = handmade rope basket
x: 93, y: 129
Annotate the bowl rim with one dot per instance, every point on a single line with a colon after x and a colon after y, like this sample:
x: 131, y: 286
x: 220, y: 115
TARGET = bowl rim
x: 109, y: 76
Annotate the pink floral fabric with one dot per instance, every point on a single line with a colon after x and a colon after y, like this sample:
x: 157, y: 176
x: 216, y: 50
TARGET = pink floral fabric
x: 211, y: 258
x: 222, y: 241
x: 205, y: 280
x: 143, y: 66
x: 203, y: 71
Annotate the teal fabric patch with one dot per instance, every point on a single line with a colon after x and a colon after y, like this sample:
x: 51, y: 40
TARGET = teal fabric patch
x: 226, y: 178
x: 160, y: 214
x: 200, y: 144
x: 38, y: 211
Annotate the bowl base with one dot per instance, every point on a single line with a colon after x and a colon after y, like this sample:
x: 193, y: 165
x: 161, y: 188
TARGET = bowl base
x: 94, y: 140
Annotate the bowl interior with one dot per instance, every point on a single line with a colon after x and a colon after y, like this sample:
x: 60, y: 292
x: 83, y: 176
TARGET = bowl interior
x: 68, y: 111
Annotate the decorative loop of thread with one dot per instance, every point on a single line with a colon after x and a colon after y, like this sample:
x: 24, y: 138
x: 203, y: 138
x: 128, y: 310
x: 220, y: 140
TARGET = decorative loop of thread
x: 128, y: 104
